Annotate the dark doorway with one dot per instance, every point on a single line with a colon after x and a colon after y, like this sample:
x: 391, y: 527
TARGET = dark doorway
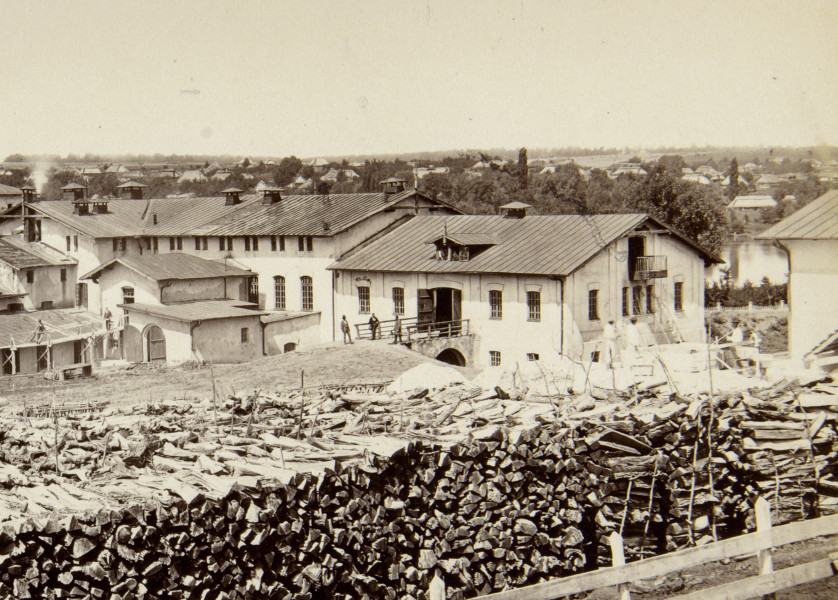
x: 253, y: 290
x: 636, y: 248
x: 452, y: 357
x: 78, y: 351
x: 425, y: 304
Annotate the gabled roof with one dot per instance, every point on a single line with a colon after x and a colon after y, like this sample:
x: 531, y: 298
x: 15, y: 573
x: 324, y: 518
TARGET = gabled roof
x: 172, y: 266
x: 26, y: 255
x: 304, y: 215
x: 200, y: 310
x: 294, y: 215
x: 755, y: 201
x: 131, y: 184
x: 818, y: 220
x: 469, y: 239
x: 537, y: 245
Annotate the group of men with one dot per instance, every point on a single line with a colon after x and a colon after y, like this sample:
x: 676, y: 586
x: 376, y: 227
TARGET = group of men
x: 608, y: 348
x: 375, y: 329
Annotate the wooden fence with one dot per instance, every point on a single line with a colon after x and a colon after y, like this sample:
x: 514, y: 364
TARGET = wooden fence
x: 749, y: 307
x: 760, y: 543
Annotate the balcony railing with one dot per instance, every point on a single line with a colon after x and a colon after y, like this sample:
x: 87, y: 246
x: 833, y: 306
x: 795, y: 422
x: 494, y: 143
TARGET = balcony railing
x: 650, y: 267
x: 432, y: 330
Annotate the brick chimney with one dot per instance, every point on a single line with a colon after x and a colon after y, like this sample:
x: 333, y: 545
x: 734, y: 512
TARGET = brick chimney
x: 131, y: 190
x: 392, y: 186
x: 271, y: 195
x: 74, y: 192
x: 233, y: 196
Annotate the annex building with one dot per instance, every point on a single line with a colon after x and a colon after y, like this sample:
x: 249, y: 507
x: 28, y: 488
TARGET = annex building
x: 490, y: 290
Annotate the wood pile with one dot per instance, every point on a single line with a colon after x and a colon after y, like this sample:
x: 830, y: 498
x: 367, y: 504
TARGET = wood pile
x: 358, y: 494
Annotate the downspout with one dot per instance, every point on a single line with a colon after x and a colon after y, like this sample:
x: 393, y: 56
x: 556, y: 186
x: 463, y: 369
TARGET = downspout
x: 335, y: 276
x: 163, y: 285
x: 264, y: 326
x: 561, y: 316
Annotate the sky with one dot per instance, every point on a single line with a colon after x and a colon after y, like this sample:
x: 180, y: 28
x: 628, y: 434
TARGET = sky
x: 333, y: 78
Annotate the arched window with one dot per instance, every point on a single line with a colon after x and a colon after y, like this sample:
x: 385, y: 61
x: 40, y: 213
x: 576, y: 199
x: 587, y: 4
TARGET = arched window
x: 279, y: 292
x: 308, y: 292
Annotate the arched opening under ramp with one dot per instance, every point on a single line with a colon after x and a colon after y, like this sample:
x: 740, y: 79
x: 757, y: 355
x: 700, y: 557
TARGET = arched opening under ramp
x: 452, y: 357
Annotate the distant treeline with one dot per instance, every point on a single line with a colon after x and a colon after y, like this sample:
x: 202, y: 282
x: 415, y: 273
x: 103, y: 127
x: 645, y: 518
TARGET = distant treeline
x: 729, y: 294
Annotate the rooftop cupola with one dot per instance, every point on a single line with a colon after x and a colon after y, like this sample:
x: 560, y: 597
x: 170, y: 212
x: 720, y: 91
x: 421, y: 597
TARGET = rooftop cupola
x: 131, y: 190
x: 393, y: 185
x: 515, y: 210
x: 233, y: 196
x: 29, y: 194
x: 271, y: 195
x: 74, y: 191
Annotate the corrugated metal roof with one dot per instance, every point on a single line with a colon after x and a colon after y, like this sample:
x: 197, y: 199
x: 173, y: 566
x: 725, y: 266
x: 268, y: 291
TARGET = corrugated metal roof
x: 308, y: 214
x: 191, y: 216
x: 202, y: 310
x: 297, y: 215
x: 818, y: 220
x: 24, y: 255
x: 536, y: 245
x: 123, y: 219
x: 175, y: 265
x: 7, y: 190
x: 66, y: 323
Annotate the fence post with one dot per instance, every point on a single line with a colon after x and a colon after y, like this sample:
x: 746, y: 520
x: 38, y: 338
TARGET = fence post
x: 764, y: 558
x: 618, y: 559
x: 436, y: 590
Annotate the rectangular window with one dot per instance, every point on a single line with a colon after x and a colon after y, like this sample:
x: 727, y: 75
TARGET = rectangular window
x: 179, y: 242
x: 246, y: 243
x: 282, y: 243
x: 245, y: 335
x: 398, y: 301
x: 679, y: 295
x: 46, y: 305
x: 309, y: 244
x: 230, y: 244
x: 75, y: 242
x: 650, y: 300
x: 301, y: 244
x: 534, y: 306
x: 118, y: 244
x: 63, y: 274
x: 128, y: 295
x: 154, y: 245
x: 625, y: 302
x: 148, y: 243
x: 221, y: 244
x: 68, y: 243
x: 595, y: 356
x: 225, y: 243
x: 593, y: 305
x: 30, y: 276
x: 81, y: 295
x: 255, y: 243
x: 495, y: 304
x: 637, y: 300
x: 307, y: 292
x: 171, y: 243
x: 273, y: 243
x: 197, y: 243
x: 279, y: 292
x: 531, y: 356
x: 363, y: 299
x: 494, y: 358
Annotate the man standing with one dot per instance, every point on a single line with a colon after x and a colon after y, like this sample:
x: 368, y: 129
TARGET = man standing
x: 633, y: 340
x: 344, y: 327
x: 374, y: 324
x: 397, y: 331
x: 609, y: 343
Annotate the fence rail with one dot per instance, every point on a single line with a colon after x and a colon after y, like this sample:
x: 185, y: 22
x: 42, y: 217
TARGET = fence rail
x: 759, y: 543
x: 750, y: 307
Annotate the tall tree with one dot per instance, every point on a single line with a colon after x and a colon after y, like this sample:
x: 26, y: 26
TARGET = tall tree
x: 523, y: 169
x: 733, y: 173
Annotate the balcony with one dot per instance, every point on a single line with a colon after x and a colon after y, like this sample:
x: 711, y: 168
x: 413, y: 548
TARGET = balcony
x: 649, y: 267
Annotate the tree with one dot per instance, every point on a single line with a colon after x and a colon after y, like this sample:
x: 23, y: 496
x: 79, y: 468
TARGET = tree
x: 287, y: 170
x: 733, y: 174
x: 523, y: 168
x: 672, y: 163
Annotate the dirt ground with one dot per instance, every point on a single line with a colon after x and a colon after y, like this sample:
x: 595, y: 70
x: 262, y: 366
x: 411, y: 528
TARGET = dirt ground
x: 771, y: 326
x: 714, y: 574
x: 362, y: 362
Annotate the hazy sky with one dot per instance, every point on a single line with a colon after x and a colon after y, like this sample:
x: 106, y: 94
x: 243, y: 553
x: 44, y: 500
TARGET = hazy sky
x: 332, y: 78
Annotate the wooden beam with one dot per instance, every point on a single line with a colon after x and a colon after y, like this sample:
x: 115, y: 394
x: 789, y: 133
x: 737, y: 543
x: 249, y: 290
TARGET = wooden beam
x: 752, y: 587
x: 745, y: 545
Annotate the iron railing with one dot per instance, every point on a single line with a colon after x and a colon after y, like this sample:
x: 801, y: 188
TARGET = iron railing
x: 650, y: 267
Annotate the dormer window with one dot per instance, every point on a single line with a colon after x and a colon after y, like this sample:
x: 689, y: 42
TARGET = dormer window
x: 461, y: 247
